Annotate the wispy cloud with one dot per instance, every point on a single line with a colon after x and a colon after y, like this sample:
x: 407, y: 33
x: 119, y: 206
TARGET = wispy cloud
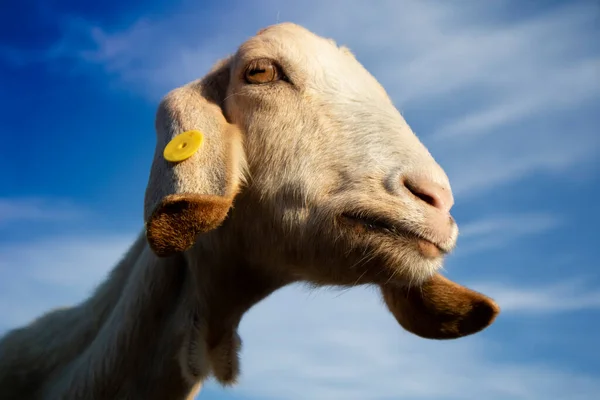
x: 38, y: 210
x: 566, y: 296
x: 500, y: 231
x: 501, y: 163
x: 130, y: 56
x: 564, y: 87
x: 513, y: 226
x: 53, y: 271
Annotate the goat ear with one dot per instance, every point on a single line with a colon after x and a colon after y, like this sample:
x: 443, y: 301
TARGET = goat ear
x: 440, y: 309
x: 190, y: 196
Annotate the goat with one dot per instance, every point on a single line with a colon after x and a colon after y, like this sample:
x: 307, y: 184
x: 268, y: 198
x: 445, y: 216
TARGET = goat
x: 306, y: 172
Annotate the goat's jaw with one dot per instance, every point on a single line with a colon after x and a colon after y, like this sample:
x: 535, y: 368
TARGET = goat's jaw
x: 413, y: 257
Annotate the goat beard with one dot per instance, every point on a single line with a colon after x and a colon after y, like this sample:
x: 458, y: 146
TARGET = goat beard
x: 439, y: 308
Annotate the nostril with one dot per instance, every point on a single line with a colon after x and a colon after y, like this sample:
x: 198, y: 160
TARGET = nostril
x: 430, y: 193
x: 423, y: 196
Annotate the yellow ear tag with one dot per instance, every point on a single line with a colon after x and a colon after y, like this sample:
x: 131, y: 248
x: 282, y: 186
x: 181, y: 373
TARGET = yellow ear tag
x: 183, y: 146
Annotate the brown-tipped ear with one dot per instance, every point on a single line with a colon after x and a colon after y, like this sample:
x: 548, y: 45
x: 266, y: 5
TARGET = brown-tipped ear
x: 190, y: 196
x: 440, y: 308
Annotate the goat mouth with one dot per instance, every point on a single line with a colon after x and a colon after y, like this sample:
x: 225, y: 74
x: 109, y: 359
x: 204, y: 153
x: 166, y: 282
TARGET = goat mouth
x: 363, y: 223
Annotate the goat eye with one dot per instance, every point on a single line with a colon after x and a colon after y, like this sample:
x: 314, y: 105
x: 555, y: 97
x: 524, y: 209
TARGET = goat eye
x: 262, y: 71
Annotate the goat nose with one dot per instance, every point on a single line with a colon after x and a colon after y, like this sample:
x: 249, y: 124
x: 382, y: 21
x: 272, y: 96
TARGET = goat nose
x: 432, y: 193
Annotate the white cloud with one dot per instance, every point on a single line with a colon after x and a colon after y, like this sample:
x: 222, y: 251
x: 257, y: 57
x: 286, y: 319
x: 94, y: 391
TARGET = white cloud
x: 570, y: 295
x: 155, y: 56
x: 569, y: 87
x: 38, y: 209
x: 52, y: 272
x: 513, y: 225
x: 470, y: 50
x: 76, y: 261
x: 500, y: 231
x: 504, y: 162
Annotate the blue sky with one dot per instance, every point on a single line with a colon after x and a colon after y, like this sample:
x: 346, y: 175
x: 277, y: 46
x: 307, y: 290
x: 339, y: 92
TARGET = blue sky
x: 506, y: 94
